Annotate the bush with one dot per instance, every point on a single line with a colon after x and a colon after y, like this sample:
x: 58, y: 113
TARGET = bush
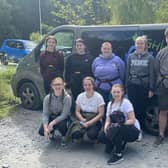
x: 7, y: 99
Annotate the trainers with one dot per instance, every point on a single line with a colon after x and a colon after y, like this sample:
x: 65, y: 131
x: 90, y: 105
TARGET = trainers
x: 158, y: 140
x: 63, y: 143
x: 115, y: 159
x: 139, y: 137
x: 51, y: 136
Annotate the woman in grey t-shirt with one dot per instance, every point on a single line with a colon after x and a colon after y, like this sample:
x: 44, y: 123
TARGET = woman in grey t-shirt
x: 56, y: 109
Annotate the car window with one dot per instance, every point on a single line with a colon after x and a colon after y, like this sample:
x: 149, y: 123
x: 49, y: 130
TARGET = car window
x: 19, y: 45
x: 11, y: 44
x: 64, y: 42
x: 121, y: 40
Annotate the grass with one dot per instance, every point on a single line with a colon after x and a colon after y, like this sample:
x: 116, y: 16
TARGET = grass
x: 7, y: 100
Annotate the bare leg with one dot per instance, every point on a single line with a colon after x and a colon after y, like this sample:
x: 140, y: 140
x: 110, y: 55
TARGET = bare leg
x: 162, y: 122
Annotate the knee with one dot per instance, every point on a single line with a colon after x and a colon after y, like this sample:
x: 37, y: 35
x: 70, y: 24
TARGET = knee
x: 92, y: 134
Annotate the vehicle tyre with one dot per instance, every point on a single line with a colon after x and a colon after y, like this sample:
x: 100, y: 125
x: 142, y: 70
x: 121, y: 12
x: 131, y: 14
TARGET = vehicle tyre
x: 29, y: 96
x: 152, y: 120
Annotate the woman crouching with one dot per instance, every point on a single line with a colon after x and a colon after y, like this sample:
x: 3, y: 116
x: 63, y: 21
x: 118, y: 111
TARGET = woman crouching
x: 120, y: 126
x: 56, y: 110
x: 89, y: 110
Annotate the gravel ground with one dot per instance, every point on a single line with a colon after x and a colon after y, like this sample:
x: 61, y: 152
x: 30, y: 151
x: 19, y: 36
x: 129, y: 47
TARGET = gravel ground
x: 22, y: 147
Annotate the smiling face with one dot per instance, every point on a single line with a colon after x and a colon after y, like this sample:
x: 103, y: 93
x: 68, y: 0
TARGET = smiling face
x: 117, y: 92
x: 57, y: 85
x: 51, y: 44
x: 140, y: 45
x: 88, y: 85
x: 106, y: 49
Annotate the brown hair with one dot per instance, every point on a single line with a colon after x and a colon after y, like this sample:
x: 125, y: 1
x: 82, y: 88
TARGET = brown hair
x: 90, y: 79
x: 80, y: 40
x: 51, y: 37
x: 122, y: 88
x: 52, y: 91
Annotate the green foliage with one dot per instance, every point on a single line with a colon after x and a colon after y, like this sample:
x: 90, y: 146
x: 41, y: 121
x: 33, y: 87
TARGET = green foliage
x: 7, y: 100
x: 19, y: 18
x: 162, y: 12
x: 131, y: 12
x: 80, y: 12
x: 35, y: 36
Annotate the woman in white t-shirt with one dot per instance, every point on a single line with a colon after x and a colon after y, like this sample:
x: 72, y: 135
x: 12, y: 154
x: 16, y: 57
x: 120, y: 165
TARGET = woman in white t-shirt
x: 89, y: 109
x: 126, y: 132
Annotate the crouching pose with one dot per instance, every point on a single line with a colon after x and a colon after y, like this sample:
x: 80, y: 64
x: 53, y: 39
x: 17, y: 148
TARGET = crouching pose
x: 120, y: 126
x: 89, y: 110
x: 56, y: 110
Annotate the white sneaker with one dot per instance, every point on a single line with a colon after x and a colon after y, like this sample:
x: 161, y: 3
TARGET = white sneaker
x: 140, y: 137
x: 63, y: 143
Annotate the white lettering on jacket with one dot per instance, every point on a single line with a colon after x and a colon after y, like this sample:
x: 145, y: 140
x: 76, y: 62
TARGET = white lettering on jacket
x: 139, y: 62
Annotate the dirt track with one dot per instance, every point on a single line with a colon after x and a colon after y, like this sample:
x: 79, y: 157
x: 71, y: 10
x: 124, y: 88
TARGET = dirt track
x: 22, y: 147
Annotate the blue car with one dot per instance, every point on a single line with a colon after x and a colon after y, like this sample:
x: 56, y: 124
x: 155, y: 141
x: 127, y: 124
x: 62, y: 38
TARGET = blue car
x: 15, y: 49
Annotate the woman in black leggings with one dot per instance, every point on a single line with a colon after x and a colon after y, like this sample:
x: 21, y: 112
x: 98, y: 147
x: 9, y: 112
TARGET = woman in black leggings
x: 115, y: 136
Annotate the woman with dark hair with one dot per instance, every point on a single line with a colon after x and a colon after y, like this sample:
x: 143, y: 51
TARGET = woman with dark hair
x: 78, y: 66
x: 56, y: 109
x: 51, y: 62
x: 120, y: 126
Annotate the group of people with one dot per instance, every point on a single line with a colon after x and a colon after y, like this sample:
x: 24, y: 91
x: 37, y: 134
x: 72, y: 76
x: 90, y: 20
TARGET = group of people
x: 97, y: 87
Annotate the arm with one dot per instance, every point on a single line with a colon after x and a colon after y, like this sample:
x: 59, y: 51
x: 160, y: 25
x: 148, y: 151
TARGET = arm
x: 128, y: 70
x: 131, y: 118
x: 61, y: 62
x: 97, y: 117
x: 68, y: 70
x: 151, y: 75
x: 107, y: 123
x: 93, y: 67
x: 121, y: 69
x: 45, y: 115
x: 78, y: 114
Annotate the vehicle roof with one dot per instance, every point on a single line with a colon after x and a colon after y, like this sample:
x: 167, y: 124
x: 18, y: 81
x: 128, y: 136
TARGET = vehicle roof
x: 151, y: 26
x: 21, y: 40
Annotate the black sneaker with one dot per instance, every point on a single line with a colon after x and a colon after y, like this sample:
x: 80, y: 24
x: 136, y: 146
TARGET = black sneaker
x: 115, y: 159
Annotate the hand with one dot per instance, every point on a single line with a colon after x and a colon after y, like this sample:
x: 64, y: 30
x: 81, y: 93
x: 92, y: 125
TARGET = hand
x: 105, y: 130
x: 46, y: 132
x: 86, y: 124
x: 51, y: 125
x: 150, y: 94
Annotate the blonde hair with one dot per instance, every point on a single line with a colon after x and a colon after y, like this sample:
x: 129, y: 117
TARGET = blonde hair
x: 90, y: 79
x: 117, y: 86
x: 144, y: 38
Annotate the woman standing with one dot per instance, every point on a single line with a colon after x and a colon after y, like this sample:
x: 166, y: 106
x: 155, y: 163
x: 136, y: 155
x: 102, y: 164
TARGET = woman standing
x: 108, y: 69
x: 51, y: 62
x: 125, y: 131
x: 78, y: 66
x: 89, y: 109
x: 140, y: 78
x: 56, y: 109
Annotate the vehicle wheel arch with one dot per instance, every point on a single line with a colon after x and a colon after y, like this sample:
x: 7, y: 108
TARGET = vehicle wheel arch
x: 37, y: 93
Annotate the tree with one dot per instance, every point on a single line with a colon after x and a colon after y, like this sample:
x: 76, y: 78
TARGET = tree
x: 162, y: 12
x: 131, y: 11
x: 72, y: 12
x: 6, y: 28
